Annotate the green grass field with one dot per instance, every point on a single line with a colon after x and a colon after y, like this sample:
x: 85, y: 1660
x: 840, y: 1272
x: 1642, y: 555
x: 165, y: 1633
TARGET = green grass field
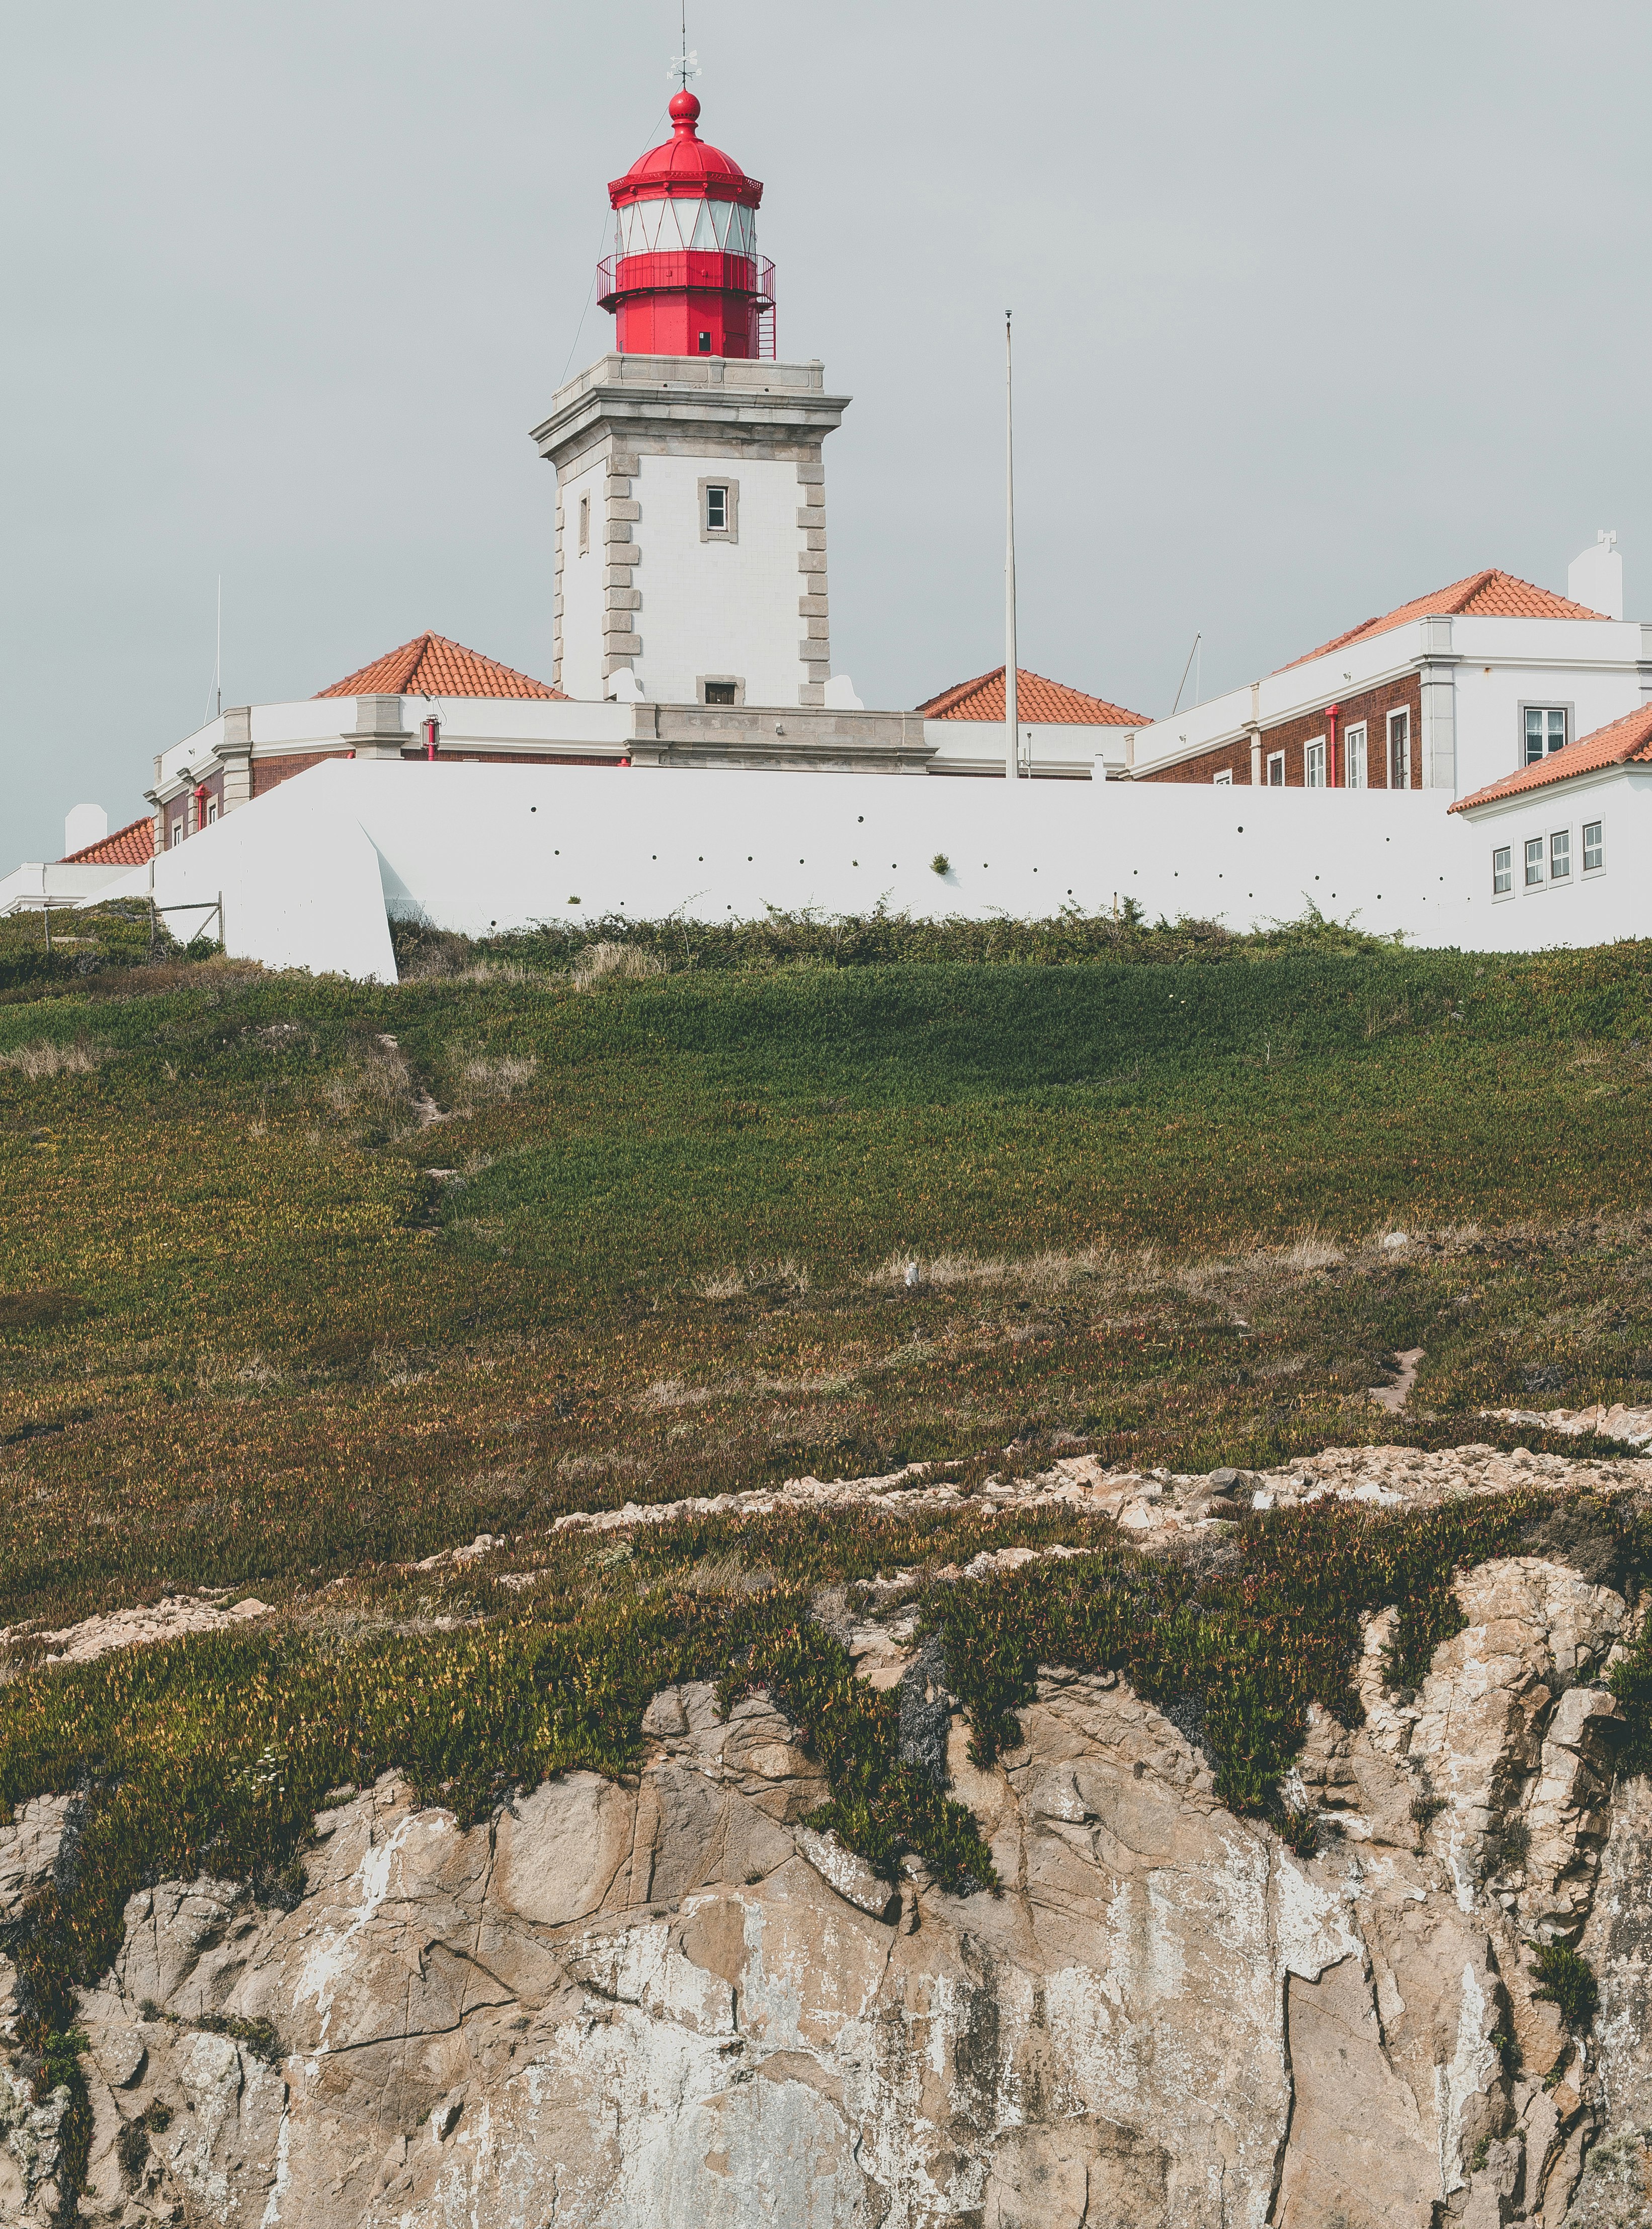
x: 302, y: 1282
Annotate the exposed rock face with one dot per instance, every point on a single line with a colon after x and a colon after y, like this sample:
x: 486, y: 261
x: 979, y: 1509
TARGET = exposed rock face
x: 672, y: 2002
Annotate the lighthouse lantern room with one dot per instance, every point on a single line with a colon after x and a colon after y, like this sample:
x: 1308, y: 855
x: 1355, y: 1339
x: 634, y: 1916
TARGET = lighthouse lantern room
x: 686, y: 277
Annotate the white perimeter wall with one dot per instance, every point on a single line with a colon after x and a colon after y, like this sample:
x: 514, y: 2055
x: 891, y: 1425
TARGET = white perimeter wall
x: 309, y: 871
x: 719, y: 607
x: 299, y: 879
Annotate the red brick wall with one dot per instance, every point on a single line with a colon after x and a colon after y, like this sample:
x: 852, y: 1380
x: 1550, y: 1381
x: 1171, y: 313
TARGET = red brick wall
x: 267, y: 773
x: 187, y: 807
x: 1371, y: 708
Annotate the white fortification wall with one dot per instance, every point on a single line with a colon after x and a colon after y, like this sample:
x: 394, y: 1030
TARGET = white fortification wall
x: 310, y: 872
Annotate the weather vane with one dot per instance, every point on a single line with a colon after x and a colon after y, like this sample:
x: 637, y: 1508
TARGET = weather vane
x: 687, y: 64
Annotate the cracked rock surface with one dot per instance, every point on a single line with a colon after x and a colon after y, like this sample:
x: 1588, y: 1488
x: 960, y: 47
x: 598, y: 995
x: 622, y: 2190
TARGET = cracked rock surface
x: 671, y: 2002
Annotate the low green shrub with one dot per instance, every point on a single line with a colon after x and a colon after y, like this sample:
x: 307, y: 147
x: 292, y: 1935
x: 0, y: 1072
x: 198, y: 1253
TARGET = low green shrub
x: 1566, y: 1979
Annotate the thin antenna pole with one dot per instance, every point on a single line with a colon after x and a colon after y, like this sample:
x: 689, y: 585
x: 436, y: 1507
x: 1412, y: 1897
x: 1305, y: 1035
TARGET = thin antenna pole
x: 1012, y: 710
x: 218, y: 662
x: 1182, y: 683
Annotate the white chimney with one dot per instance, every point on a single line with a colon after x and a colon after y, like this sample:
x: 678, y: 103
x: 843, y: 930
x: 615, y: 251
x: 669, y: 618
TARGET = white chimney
x: 1597, y: 577
x: 84, y: 825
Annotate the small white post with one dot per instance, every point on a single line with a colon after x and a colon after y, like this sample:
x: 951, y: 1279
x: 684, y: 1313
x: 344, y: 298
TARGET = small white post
x: 1012, y: 710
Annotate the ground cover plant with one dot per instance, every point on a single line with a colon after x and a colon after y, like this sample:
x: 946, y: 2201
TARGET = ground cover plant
x: 302, y: 1282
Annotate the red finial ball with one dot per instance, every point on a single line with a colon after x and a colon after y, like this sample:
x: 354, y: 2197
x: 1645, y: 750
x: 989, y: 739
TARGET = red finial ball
x: 685, y: 108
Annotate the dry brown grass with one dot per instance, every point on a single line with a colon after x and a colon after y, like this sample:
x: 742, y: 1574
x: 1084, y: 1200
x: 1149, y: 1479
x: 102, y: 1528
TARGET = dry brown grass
x: 44, y: 1058
x: 498, y: 1079
x: 626, y: 962
x: 757, y: 1277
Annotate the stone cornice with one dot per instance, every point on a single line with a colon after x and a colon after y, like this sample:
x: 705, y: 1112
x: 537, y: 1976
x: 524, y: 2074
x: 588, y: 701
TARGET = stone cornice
x: 696, y: 400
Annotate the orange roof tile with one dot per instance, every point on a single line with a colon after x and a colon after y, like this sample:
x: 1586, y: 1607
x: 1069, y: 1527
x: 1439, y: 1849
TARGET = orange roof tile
x: 130, y: 846
x: 1037, y: 701
x: 1627, y: 742
x: 1490, y: 595
x: 430, y: 665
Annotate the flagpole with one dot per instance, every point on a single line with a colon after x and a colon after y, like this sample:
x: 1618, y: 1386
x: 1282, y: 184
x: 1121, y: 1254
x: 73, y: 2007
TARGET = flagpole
x: 1011, y: 740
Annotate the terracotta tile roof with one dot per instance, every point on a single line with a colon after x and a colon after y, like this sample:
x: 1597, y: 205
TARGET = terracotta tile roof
x: 430, y: 665
x: 1037, y: 701
x: 130, y: 846
x: 1627, y: 742
x: 1490, y: 595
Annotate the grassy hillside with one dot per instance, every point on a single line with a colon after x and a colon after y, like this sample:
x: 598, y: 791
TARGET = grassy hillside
x: 302, y: 1282
x: 300, y: 1274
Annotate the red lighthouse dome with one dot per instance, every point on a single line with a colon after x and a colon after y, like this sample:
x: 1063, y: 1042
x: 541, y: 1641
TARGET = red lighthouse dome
x: 686, y: 277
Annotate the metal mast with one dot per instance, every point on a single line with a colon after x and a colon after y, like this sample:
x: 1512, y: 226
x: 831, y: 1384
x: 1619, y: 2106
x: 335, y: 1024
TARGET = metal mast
x: 1012, y: 710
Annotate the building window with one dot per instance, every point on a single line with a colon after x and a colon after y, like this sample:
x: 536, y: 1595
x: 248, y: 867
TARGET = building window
x: 705, y: 343
x: 1276, y: 769
x: 1313, y: 765
x: 1399, y: 748
x: 720, y: 688
x: 1534, y: 862
x: 1593, y: 858
x: 1503, y: 871
x: 1354, y: 757
x: 178, y: 836
x: 1545, y: 731
x: 584, y: 524
x: 212, y: 811
x: 719, y: 692
x: 719, y: 510
x: 1560, y: 856
x: 1225, y: 779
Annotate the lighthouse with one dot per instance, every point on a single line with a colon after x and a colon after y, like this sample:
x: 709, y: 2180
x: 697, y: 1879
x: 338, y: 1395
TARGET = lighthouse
x: 686, y: 277
x: 690, y: 563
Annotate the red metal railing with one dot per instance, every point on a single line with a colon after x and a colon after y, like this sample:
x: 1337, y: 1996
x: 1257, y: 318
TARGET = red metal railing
x: 685, y: 268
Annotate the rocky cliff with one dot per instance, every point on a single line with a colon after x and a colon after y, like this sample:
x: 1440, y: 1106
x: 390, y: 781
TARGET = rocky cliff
x: 669, y: 2001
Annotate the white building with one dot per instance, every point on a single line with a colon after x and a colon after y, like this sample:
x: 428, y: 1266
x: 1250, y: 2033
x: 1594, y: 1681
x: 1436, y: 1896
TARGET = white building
x: 1563, y: 842
x: 1451, y: 691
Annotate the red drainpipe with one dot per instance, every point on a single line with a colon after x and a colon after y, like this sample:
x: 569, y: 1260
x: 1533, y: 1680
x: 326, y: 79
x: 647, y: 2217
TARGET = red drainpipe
x: 1330, y: 749
x: 433, y: 732
x: 200, y: 805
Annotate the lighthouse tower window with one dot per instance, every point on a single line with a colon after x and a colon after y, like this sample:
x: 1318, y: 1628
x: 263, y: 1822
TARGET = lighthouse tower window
x: 719, y: 510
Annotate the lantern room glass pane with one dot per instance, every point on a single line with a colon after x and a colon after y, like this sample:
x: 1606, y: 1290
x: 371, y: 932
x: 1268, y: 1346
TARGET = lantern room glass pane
x: 669, y: 223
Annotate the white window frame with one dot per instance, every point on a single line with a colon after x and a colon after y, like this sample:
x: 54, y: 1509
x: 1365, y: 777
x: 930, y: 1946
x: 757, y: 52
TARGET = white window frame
x: 1599, y: 867
x: 1225, y: 779
x: 212, y: 811
x: 1504, y: 853
x: 1545, y: 704
x: 1533, y: 882
x: 729, y: 489
x: 1563, y: 838
x: 1401, y: 717
x: 1350, y: 736
x: 1314, y: 764
x: 1276, y: 780
x: 176, y: 836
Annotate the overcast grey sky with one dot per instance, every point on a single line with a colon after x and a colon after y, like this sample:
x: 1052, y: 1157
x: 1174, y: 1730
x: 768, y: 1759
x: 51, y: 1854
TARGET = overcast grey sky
x: 1317, y: 307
